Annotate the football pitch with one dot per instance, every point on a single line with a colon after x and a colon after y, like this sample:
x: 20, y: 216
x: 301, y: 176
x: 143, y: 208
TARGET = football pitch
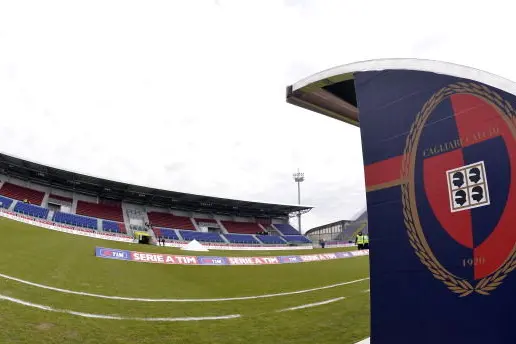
x: 54, y: 290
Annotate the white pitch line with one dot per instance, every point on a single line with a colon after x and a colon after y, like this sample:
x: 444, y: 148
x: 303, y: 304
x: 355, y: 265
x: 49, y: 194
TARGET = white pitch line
x: 308, y: 305
x: 100, y: 296
x: 112, y: 317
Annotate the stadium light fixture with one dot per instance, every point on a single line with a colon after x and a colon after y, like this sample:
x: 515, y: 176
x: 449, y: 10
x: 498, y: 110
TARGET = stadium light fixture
x: 299, y: 177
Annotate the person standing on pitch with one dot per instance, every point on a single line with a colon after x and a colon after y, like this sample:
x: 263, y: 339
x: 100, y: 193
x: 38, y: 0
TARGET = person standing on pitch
x: 359, y: 241
x: 366, y: 242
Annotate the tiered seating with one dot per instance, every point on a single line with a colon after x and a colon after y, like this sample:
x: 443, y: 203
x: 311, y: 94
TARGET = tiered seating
x: 297, y: 239
x: 362, y: 217
x: 6, y: 202
x: 60, y: 198
x: 101, y: 211
x: 349, y: 233
x: 75, y: 220
x: 271, y: 239
x: 114, y: 227
x: 201, y: 236
x: 166, y: 233
x: 170, y: 221
x: 286, y: 229
x: 31, y: 210
x: 241, y: 239
x: 242, y: 227
x: 21, y: 193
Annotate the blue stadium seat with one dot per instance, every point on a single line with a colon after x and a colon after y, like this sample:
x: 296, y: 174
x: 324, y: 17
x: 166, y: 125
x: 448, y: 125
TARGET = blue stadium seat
x: 297, y: 239
x: 201, y: 236
x: 271, y: 239
x: 286, y: 229
x: 75, y: 220
x: 6, y: 202
x: 169, y: 234
x: 241, y: 239
x: 110, y: 226
x: 31, y: 210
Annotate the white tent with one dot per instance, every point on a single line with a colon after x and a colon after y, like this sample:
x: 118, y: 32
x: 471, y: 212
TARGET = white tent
x: 194, y: 245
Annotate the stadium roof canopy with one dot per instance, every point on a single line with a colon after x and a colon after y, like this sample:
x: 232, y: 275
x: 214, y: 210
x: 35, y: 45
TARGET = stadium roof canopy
x: 332, y: 92
x: 118, y: 191
x: 328, y: 225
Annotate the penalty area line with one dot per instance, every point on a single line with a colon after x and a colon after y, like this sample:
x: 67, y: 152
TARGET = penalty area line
x: 138, y: 299
x: 113, y: 317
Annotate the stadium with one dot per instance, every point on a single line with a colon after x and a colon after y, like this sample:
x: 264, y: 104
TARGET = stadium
x: 89, y: 260
x: 86, y: 260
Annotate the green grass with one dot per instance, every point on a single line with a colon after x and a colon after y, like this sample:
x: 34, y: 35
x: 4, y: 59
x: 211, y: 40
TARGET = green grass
x: 67, y: 261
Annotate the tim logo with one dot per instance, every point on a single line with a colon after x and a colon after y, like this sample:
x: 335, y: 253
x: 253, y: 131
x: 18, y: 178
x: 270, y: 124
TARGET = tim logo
x: 467, y: 186
x: 113, y: 254
x: 461, y: 229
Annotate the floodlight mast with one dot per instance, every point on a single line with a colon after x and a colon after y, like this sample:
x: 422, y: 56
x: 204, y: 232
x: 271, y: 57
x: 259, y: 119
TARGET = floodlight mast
x: 299, y: 178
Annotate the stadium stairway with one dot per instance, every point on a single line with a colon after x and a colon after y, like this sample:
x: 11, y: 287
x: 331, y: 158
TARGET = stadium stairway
x: 126, y: 219
x: 74, y: 206
x: 13, y: 204
x: 224, y: 238
x: 44, y: 202
x: 221, y: 226
x: 194, y: 223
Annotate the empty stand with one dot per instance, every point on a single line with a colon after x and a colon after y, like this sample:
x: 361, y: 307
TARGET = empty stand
x: 349, y: 233
x: 271, y: 239
x: 242, y: 227
x: 362, y: 217
x: 201, y: 236
x: 241, y: 239
x: 31, y: 210
x: 75, y: 220
x: 113, y: 227
x: 21, y: 193
x: 170, y: 221
x: 297, y: 239
x: 286, y: 229
x: 101, y: 211
x: 5, y: 202
x: 169, y: 234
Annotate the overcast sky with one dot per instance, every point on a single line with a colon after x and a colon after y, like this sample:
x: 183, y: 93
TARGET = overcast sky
x: 190, y: 95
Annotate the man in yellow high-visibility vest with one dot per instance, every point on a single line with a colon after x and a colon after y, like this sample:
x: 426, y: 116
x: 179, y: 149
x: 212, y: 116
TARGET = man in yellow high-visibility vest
x: 366, y: 242
x: 359, y: 241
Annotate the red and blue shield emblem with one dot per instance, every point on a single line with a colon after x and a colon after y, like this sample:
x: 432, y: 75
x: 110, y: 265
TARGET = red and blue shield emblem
x: 460, y: 164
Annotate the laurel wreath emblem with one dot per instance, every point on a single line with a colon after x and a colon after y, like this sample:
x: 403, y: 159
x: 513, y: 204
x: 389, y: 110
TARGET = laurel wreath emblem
x: 456, y: 284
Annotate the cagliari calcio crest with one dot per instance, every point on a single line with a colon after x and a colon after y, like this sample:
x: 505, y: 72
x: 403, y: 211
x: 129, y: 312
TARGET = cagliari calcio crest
x: 459, y: 197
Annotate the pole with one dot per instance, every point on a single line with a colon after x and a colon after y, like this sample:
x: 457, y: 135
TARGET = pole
x: 299, y: 203
x: 298, y: 178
